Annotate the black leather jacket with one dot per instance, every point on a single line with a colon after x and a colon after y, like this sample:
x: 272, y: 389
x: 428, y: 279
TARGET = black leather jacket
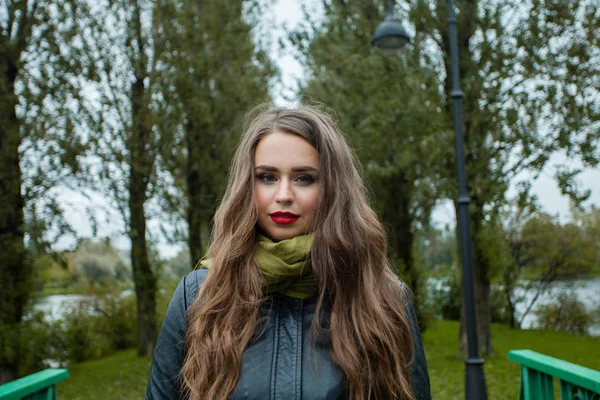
x: 278, y: 364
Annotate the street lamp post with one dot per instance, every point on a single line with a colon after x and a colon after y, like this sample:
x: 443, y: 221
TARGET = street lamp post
x: 390, y: 36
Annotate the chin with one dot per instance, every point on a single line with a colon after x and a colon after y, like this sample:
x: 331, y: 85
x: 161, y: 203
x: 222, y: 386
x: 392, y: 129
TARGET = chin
x: 279, y: 236
x: 277, y: 233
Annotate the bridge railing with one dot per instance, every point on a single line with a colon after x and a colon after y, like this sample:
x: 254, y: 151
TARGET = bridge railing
x: 538, y: 372
x: 38, y: 386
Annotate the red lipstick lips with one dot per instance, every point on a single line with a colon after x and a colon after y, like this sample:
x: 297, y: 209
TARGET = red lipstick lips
x: 284, y: 218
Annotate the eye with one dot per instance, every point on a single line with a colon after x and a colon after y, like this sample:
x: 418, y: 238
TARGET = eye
x: 266, y: 178
x: 306, y: 179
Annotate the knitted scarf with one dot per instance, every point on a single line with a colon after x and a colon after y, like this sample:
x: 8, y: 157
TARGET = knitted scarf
x: 285, y: 266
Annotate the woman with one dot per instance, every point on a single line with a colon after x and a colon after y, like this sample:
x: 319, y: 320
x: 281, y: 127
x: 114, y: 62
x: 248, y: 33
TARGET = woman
x: 296, y: 298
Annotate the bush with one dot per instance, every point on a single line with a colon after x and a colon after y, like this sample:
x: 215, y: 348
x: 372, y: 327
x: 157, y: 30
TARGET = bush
x: 446, y: 299
x: 79, y: 338
x: 567, y: 314
x: 90, y: 329
x: 35, y: 340
x: 117, y: 320
x: 498, y: 305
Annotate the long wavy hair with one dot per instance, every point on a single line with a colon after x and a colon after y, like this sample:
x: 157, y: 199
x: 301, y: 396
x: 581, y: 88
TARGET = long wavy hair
x: 359, y: 296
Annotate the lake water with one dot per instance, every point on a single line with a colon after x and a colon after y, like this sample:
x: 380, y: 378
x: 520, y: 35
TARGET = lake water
x: 587, y: 291
x: 54, y: 307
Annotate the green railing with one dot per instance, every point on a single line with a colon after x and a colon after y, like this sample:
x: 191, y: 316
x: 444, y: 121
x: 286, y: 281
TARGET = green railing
x: 38, y: 386
x: 538, y: 372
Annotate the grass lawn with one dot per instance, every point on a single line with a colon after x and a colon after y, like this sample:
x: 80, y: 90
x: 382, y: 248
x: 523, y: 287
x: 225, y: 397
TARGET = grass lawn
x: 502, y: 376
x: 120, y: 376
x: 123, y: 376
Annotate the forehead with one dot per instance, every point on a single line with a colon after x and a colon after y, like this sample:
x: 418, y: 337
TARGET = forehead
x: 284, y: 151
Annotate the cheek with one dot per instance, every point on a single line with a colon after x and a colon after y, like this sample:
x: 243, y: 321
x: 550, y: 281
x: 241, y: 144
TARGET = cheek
x: 309, y: 200
x: 261, y: 197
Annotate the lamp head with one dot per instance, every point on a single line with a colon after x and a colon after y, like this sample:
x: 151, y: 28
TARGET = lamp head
x: 390, y: 36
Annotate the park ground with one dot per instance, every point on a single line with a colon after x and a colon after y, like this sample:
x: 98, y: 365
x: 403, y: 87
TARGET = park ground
x: 123, y: 375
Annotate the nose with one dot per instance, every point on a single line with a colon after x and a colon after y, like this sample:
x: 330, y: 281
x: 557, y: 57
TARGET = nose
x: 284, y: 193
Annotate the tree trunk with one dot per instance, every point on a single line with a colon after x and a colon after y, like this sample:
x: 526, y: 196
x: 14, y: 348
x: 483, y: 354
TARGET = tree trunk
x: 512, y: 320
x: 194, y: 189
x: 15, y: 271
x: 509, y: 289
x: 140, y: 170
x: 401, y: 238
x: 482, y: 303
x: 143, y: 276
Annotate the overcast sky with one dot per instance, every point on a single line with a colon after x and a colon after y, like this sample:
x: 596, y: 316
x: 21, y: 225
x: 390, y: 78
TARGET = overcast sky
x: 288, y: 13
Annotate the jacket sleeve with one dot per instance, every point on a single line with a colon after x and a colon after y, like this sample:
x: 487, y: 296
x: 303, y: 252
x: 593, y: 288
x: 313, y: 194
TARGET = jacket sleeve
x: 164, y: 382
x: 420, y: 373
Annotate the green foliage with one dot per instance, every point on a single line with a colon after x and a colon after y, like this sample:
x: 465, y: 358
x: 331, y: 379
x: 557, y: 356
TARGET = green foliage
x: 210, y: 73
x: 528, y: 250
x: 391, y: 111
x: 529, y: 79
x: 566, y: 314
x: 122, y: 49
x: 48, y: 272
x: 446, y: 299
x: 561, y: 249
x: 93, y: 328
x: 39, y: 149
x: 37, y: 343
x: 589, y: 222
x: 499, y: 311
x: 78, y: 337
x: 116, y: 319
x: 390, y: 108
x: 435, y: 250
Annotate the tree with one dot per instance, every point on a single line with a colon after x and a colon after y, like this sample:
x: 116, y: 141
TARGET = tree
x: 390, y: 108
x: 530, y: 250
x: 529, y: 72
x: 121, y: 125
x: 589, y: 221
x: 40, y: 58
x: 211, y: 74
x: 556, y: 251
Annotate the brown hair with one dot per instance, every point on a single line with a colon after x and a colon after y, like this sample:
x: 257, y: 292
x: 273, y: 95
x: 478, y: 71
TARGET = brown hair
x: 368, y: 330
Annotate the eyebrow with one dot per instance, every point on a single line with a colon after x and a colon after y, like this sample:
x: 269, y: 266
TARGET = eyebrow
x: 295, y: 169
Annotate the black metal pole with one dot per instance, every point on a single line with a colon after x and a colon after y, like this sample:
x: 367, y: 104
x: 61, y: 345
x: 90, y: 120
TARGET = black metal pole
x: 475, y: 388
x: 389, y: 8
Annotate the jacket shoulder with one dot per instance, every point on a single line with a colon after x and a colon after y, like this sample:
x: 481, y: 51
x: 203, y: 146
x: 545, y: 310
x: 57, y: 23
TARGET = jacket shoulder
x: 192, y: 283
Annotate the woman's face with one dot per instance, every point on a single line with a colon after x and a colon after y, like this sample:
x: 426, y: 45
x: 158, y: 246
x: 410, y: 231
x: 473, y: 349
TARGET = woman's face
x: 286, y: 188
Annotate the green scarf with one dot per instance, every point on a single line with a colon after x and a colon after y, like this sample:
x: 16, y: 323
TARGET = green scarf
x: 284, y: 266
